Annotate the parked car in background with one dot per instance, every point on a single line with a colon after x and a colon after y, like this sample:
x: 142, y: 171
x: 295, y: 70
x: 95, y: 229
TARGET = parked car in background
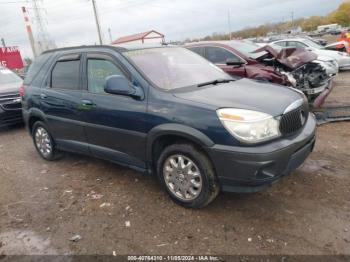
x: 169, y: 112
x: 243, y: 59
x: 342, y: 58
x: 10, y: 101
x: 225, y: 54
x: 319, y: 41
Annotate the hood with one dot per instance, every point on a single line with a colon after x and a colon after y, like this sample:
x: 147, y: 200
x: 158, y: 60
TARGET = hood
x: 324, y: 58
x: 12, y: 87
x: 330, y: 53
x: 338, y: 45
x: 290, y: 57
x: 245, y: 94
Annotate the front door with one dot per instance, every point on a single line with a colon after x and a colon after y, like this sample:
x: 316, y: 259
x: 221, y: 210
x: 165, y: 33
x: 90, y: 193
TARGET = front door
x: 115, y: 124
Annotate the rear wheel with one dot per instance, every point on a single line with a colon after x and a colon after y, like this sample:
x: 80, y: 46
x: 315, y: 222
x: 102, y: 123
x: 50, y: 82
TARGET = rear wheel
x: 43, y: 141
x: 187, y: 175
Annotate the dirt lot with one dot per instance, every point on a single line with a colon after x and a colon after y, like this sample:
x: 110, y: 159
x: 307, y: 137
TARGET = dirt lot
x: 44, y: 204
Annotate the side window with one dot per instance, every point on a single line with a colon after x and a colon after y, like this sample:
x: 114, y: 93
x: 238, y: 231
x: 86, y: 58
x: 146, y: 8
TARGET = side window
x: 218, y: 55
x: 98, y: 70
x: 199, y: 50
x: 296, y: 44
x: 65, y: 75
x: 283, y: 44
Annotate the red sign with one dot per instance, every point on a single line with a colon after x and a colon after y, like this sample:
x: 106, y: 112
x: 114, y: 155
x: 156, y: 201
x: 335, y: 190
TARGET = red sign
x: 10, y: 57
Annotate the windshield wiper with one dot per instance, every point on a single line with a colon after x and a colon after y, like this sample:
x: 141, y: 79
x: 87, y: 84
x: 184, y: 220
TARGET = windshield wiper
x: 215, y: 82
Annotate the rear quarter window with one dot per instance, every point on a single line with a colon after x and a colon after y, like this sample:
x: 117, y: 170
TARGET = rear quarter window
x: 36, y: 67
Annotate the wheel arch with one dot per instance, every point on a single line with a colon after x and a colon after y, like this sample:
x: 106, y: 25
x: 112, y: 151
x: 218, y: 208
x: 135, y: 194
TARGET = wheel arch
x: 164, y: 135
x: 34, y: 116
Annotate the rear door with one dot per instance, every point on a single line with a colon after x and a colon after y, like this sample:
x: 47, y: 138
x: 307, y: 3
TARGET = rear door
x: 61, y: 101
x: 219, y: 56
x: 115, y: 124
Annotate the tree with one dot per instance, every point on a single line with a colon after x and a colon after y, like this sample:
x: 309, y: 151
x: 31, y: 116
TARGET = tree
x: 341, y: 15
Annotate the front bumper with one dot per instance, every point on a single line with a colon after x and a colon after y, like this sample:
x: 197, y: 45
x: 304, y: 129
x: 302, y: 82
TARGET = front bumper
x: 251, y: 169
x: 320, y: 99
x: 344, y: 63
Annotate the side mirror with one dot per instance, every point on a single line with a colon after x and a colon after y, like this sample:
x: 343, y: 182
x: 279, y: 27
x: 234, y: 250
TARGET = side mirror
x: 234, y: 62
x: 119, y: 85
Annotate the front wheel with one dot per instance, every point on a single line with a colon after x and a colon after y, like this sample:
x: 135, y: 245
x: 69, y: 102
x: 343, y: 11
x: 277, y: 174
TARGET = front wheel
x: 188, y: 175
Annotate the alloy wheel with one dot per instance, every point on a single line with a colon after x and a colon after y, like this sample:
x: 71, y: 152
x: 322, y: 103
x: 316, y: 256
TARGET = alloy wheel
x: 182, y: 177
x: 43, y: 142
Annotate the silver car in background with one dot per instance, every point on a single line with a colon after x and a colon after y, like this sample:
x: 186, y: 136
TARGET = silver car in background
x: 10, y: 101
x: 342, y: 58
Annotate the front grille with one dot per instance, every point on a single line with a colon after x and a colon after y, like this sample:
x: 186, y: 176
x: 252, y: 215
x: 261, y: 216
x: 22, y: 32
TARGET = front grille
x: 9, y: 101
x: 12, y: 106
x: 292, y: 121
x: 6, y: 98
x: 10, y: 117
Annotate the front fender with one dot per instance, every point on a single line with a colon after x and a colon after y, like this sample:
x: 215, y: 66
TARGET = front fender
x: 178, y: 130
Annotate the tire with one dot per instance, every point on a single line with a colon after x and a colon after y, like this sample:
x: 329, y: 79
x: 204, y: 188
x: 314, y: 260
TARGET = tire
x: 201, y: 191
x: 49, y: 152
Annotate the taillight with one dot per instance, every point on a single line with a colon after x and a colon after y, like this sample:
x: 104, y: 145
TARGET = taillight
x: 22, y: 91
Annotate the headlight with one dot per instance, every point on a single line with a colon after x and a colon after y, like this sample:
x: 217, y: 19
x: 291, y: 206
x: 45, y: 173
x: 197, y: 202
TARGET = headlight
x: 249, y: 126
x: 292, y: 80
x: 343, y: 54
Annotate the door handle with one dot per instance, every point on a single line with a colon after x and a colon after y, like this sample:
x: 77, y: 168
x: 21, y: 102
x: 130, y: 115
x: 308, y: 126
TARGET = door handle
x: 43, y: 96
x: 86, y: 105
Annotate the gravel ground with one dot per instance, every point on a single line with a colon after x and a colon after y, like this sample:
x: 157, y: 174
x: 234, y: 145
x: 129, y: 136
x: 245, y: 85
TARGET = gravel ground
x: 116, y: 210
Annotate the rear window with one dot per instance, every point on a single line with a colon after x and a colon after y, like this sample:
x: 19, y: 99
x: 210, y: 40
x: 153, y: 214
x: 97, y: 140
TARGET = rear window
x: 35, y: 67
x: 65, y: 75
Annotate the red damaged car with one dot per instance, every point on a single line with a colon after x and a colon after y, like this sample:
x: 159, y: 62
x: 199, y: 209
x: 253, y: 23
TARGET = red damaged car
x: 293, y: 67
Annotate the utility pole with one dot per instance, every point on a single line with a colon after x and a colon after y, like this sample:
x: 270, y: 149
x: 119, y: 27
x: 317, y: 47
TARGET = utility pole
x: 3, y: 42
x: 29, y: 30
x: 97, y: 22
x: 110, y: 35
x: 229, y: 24
x: 292, y: 19
x: 43, y: 38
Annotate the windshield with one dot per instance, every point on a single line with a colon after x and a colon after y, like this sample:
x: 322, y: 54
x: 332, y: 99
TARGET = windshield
x: 247, y: 48
x: 174, y: 67
x: 312, y: 44
x: 7, y: 77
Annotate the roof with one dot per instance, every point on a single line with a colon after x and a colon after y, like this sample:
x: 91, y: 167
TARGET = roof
x: 291, y: 39
x: 221, y: 42
x: 119, y: 49
x: 139, y: 36
x: 115, y: 48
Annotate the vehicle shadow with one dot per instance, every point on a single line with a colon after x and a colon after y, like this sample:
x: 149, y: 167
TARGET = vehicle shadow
x: 12, y: 128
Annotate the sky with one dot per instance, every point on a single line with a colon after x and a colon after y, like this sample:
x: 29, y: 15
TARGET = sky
x: 71, y: 22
